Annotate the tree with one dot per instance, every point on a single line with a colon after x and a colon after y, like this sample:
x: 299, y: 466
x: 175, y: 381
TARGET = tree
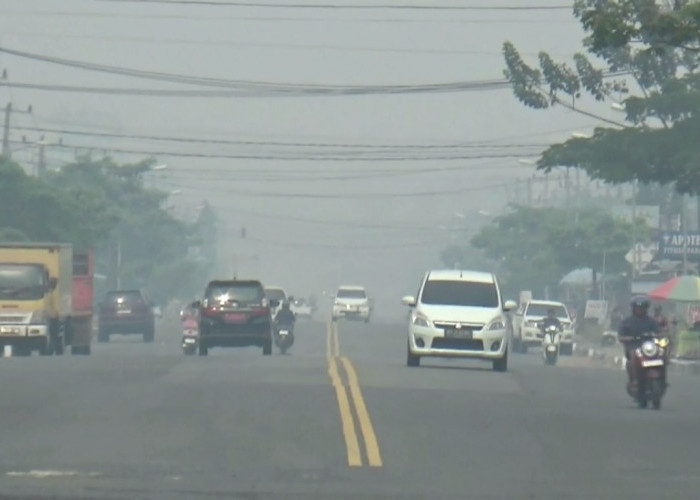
x: 652, y: 54
x: 538, y: 246
x: 35, y: 211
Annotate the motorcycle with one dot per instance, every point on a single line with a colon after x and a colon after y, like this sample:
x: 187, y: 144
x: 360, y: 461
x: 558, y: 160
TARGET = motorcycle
x: 190, y: 336
x: 551, y: 340
x: 284, y: 336
x: 648, y: 364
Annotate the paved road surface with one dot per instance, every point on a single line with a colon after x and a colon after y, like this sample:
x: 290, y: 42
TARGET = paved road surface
x: 340, y: 417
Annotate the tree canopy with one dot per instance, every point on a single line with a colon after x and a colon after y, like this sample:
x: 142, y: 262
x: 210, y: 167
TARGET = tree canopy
x: 536, y: 247
x: 650, y: 53
x: 102, y: 205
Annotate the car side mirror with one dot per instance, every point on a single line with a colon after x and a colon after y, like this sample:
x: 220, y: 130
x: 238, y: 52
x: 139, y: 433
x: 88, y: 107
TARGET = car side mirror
x: 196, y: 304
x: 274, y: 302
x: 409, y: 301
x: 53, y: 283
x: 509, y: 305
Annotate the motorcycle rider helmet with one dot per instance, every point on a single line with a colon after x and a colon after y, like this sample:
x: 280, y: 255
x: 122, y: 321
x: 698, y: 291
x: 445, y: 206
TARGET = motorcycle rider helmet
x: 640, y: 305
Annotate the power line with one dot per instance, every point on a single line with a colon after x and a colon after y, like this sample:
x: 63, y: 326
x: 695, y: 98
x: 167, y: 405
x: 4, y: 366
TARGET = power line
x: 326, y: 158
x: 336, y: 6
x: 180, y: 139
x: 259, y: 88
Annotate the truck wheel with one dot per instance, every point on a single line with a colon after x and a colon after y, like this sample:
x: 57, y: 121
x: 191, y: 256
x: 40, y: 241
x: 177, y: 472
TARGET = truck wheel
x: 59, y: 346
x: 45, y: 350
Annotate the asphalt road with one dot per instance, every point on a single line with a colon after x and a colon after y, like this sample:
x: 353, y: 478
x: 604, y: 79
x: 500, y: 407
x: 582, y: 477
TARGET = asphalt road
x: 340, y: 417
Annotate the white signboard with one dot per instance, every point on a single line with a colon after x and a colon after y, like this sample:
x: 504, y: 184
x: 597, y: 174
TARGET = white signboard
x: 596, y: 309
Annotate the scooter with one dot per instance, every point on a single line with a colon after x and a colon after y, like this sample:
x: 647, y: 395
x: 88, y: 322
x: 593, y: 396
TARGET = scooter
x: 190, y: 336
x: 284, y: 336
x: 551, y: 341
x: 649, y: 363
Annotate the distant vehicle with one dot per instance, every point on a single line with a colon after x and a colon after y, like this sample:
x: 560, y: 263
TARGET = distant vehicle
x: 458, y: 314
x: 235, y: 313
x: 526, y: 330
x: 126, y: 312
x: 278, y: 294
x: 301, y: 308
x: 351, y: 302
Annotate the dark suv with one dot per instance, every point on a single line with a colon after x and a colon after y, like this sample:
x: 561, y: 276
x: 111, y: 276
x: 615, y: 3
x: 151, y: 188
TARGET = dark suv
x: 126, y: 312
x: 234, y: 313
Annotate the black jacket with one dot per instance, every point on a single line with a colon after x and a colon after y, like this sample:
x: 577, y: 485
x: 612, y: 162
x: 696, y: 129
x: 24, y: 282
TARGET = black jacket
x: 638, y: 326
x: 285, y: 317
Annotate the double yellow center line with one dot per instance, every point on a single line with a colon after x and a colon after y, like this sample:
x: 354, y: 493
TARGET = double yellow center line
x: 352, y: 443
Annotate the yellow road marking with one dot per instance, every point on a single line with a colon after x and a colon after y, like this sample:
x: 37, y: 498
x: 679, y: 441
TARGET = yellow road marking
x: 351, y: 442
x: 373, y: 456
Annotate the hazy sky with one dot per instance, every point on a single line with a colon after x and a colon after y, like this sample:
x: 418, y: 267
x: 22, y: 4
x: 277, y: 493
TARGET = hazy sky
x: 384, y: 229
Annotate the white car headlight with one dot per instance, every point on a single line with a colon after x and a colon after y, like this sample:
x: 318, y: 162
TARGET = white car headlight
x: 420, y: 319
x: 497, y: 324
x: 649, y: 348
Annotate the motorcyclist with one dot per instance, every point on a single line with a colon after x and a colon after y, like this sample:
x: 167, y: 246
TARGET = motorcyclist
x: 635, y: 327
x: 285, y: 316
x: 550, y: 320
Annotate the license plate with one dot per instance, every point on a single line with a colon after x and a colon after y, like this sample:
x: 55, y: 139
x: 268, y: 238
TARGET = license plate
x: 190, y: 341
x: 284, y: 332
x: 458, y: 334
x: 234, y: 317
x: 653, y: 362
x: 124, y: 311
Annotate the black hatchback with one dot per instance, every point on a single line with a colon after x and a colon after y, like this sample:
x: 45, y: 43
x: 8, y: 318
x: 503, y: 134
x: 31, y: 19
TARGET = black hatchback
x: 235, y: 313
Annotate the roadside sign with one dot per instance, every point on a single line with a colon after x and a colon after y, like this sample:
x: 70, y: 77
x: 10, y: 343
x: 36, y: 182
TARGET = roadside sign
x: 673, y: 244
x: 645, y: 254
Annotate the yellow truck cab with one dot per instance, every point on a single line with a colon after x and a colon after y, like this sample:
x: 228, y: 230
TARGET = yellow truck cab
x: 36, y: 281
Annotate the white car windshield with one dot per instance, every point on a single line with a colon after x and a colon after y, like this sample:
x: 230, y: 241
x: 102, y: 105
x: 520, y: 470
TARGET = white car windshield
x: 351, y: 294
x: 543, y: 310
x: 459, y: 293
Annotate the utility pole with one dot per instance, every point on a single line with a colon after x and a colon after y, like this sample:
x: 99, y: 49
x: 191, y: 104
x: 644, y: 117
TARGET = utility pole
x: 684, y: 222
x: 41, y: 162
x: 6, y: 152
x: 6, y: 133
x: 635, y: 248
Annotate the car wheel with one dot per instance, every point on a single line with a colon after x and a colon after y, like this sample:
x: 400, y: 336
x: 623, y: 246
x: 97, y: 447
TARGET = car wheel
x: 411, y: 359
x: 501, y: 365
x: 203, y: 349
x: 102, y: 336
x: 267, y: 348
x: 566, y: 349
x: 367, y: 320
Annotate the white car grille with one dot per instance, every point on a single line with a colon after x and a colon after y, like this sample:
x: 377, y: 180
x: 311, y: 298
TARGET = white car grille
x: 453, y: 325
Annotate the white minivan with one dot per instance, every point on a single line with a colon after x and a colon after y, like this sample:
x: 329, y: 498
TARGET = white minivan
x: 458, y: 314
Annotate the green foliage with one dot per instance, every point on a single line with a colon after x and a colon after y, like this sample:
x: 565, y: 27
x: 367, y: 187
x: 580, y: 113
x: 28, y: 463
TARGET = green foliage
x: 644, y: 46
x: 102, y: 205
x: 538, y: 246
